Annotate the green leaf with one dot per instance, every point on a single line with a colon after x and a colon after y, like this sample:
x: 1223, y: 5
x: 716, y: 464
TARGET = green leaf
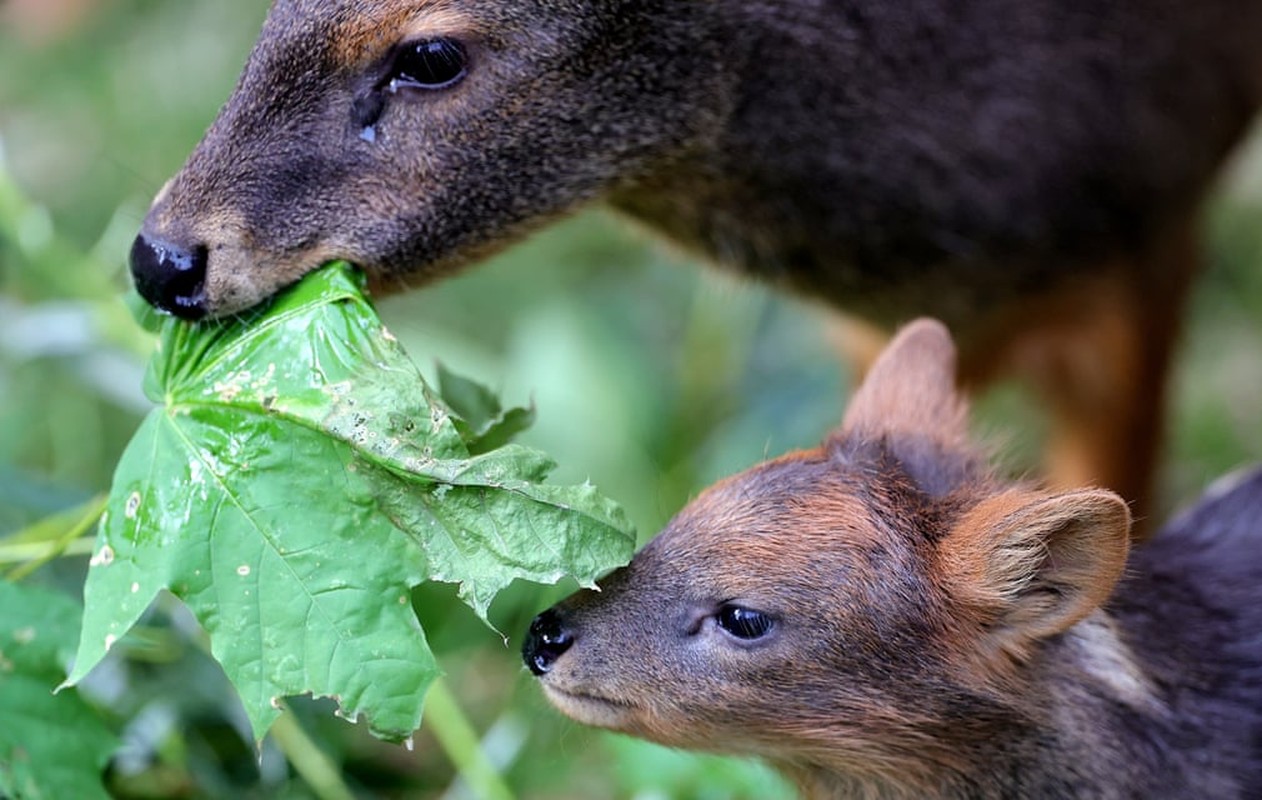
x: 51, y: 746
x: 299, y: 478
x: 474, y: 403
x: 482, y: 422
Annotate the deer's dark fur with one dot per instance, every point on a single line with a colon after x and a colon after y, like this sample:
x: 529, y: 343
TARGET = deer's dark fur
x: 1025, y: 170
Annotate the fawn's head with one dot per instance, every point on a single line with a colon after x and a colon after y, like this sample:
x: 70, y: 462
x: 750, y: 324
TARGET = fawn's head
x: 410, y: 137
x: 864, y: 606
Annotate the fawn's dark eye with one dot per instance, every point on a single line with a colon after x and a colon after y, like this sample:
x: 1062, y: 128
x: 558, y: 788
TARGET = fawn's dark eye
x: 743, y: 623
x: 429, y: 64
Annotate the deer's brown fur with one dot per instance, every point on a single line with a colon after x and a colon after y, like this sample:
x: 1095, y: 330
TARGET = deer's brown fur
x: 992, y: 163
x: 936, y: 631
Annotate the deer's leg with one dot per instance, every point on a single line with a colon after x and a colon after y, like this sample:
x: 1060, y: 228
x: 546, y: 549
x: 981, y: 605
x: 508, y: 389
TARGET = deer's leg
x: 1098, y: 352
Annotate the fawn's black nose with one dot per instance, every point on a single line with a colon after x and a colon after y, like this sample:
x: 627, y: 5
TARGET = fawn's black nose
x: 546, y: 641
x: 170, y: 277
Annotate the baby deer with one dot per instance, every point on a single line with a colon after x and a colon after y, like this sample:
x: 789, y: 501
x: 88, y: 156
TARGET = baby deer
x: 882, y: 617
x: 1027, y: 171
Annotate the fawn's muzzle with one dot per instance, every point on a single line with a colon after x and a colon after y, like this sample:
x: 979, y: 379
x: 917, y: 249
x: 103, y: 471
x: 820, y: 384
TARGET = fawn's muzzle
x: 170, y: 277
x: 546, y: 641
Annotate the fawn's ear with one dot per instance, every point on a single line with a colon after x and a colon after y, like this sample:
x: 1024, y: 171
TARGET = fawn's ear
x: 1031, y: 565
x: 911, y: 389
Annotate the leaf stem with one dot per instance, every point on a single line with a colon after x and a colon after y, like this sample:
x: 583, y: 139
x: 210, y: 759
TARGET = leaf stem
x: 23, y: 552
x: 460, y: 742
x: 312, y: 763
x: 36, y: 553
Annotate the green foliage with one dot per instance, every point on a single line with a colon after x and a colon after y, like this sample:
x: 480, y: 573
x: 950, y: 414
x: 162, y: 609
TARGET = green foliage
x: 647, y: 770
x: 482, y: 421
x: 298, y: 481
x: 52, y: 746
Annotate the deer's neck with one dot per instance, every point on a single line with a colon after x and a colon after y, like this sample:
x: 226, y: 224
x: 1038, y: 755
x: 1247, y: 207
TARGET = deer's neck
x: 1087, y: 723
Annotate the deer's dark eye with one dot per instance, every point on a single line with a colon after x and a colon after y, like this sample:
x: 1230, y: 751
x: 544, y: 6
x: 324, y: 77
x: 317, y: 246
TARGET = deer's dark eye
x: 429, y: 64
x: 743, y: 623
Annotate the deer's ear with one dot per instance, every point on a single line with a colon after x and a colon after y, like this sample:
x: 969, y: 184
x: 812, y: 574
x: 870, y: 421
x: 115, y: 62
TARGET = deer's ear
x: 1030, y: 565
x: 911, y: 389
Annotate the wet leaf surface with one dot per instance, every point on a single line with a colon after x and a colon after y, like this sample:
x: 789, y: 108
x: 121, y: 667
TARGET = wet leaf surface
x: 298, y: 479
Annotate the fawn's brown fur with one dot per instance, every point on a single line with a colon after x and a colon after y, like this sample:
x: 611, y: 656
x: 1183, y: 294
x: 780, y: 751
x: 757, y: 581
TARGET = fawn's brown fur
x: 1028, y: 171
x: 930, y: 630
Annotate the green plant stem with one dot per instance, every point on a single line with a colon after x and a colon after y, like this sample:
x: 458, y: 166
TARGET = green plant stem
x: 315, y: 767
x: 460, y: 742
x: 31, y: 555
x: 36, y: 554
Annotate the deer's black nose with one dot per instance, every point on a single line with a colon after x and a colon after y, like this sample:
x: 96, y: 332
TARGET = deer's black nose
x: 170, y: 277
x: 547, y: 640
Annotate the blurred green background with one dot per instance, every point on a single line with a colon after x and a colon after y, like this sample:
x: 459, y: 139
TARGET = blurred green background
x: 652, y: 377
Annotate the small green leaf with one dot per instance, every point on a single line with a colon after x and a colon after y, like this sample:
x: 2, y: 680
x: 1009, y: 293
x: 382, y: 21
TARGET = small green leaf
x: 471, y: 401
x: 299, y: 478
x: 482, y: 422
x: 146, y: 316
x: 51, y: 746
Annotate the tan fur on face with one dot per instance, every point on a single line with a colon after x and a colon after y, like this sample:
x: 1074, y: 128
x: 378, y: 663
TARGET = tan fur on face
x: 379, y: 26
